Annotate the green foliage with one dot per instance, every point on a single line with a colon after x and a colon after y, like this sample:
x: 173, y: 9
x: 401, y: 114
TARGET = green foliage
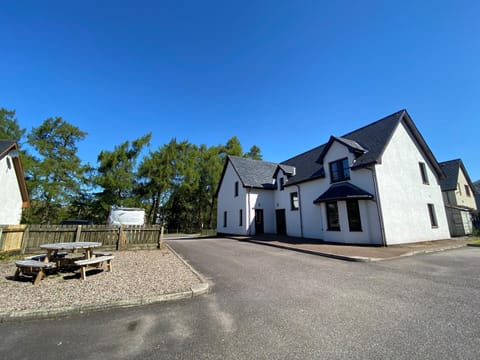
x: 176, y: 183
x: 9, y: 128
x: 54, y: 177
x: 232, y: 147
x: 254, y: 153
x: 116, y: 174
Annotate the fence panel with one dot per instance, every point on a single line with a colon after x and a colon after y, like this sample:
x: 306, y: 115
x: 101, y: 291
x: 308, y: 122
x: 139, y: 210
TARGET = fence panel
x: 111, y: 236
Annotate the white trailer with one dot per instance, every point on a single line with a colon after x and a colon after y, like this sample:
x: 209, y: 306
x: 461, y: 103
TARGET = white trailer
x: 126, y: 216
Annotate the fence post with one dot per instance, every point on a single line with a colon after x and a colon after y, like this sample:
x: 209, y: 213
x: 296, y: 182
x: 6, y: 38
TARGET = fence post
x: 78, y: 233
x: 122, y: 238
x: 25, y: 238
x: 160, y: 239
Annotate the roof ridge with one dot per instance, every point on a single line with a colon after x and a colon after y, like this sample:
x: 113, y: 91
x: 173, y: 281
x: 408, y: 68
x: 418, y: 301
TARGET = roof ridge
x: 374, y: 123
x: 447, y: 161
x: 248, y: 159
x: 344, y: 136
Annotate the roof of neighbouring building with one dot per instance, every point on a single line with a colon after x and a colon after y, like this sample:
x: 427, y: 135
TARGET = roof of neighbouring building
x: 451, y: 170
x: 6, y: 146
x: 343, y: 191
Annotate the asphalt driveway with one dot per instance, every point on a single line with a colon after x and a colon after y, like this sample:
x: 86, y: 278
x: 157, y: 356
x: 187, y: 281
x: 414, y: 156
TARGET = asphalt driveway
x: 269, y: 303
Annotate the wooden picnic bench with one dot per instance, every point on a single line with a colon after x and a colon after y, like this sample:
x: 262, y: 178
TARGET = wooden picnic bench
x: 94, y: 261
x: 32, y: 268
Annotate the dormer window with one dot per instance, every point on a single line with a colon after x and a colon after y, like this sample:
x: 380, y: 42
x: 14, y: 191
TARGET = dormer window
x: 339, y: 170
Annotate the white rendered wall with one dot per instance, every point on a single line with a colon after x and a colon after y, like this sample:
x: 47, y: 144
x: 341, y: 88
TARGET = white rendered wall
x: 227, y: 201
x: 261, y: 200
x: 403, y: 195
x: 281, y: 200
x: 10, y: 196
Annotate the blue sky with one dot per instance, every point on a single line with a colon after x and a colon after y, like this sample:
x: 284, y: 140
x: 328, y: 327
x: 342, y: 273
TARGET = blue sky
x: 284, y: 75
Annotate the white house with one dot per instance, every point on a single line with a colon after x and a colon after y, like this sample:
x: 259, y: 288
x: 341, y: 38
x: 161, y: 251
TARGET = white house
x: 458, y: 197
x: 13, y: 191
x: 377, y: 185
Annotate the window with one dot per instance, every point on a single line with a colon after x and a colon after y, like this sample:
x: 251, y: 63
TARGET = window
x: 294, y: 203
x: 353, y: 211
x: 236, y: 188
x: 423, y: 172
x: 339, y: 170
x: 240, y: 221
x: 433, y: 217
x: 282, y: 183
x: 467, y: 190
x: 459, y: 188
x: 224, y: 219
x: 332, y: 216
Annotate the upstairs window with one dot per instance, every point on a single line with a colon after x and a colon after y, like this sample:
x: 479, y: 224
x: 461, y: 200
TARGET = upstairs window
x: 339, y: 170
x: 423, y: 172
x: 433, y: 216
x: 294, y: 203
x: 236, y: 188
x: 282, y: 183
x: 467, y: 191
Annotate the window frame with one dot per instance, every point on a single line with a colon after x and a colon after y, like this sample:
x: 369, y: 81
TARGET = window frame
x: 467, y: 190
x: 294, y: 196
x: 352, y: 213
x: 282, y: 183
x: 342, y: 171
x: 236, y: 189
x: 432, y: 215
x: 331, y: 220
x: 423, y: 173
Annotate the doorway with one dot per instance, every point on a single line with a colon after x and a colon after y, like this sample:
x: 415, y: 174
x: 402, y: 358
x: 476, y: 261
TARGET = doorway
x: 259, y: 221
x: 281, y: 222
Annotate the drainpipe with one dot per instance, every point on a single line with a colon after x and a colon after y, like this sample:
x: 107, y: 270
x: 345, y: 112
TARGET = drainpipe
x: 379, y: 206
x: 300, y: 209
x: 249, y: 211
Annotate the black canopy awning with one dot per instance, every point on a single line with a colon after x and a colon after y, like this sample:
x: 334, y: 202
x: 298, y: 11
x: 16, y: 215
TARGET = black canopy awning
x: 343, y: 191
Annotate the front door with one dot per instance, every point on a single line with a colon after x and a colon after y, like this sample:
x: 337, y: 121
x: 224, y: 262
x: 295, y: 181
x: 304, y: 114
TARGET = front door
x: 281, y: 222
x: 258, y: 221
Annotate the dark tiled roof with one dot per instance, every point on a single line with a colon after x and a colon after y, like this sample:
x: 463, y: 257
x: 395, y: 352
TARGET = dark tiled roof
x: 476, y: 185
x: 6, y: 145
x: 450, y: 169
x: 373, y: 138
x: 254, y: 173
x: 343, y: 191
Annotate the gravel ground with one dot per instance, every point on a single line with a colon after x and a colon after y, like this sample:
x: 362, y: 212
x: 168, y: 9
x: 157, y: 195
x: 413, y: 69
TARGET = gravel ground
x: 136, y: 274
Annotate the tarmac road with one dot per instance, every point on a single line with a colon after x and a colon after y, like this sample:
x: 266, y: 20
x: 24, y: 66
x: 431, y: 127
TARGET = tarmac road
x: 269, y: 303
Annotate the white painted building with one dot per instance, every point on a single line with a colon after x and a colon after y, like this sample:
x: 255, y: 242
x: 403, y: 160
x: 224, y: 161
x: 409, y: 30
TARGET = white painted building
x: 458, y: 197
x: 377, y: 185
x: 13, y: 191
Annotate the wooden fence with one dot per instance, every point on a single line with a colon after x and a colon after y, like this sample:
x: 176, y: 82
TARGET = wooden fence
x: 28, y: 238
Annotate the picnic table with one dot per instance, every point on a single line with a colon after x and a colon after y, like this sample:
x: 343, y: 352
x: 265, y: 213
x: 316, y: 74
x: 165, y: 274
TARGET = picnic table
x: 86, y: 246
x: 54, y: 259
